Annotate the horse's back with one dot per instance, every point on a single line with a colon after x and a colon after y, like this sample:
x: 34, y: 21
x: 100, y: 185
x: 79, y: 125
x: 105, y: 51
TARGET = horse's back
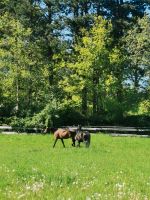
x: 62, y: 133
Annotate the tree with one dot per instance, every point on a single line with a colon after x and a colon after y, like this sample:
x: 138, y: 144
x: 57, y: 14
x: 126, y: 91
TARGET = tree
x: 90, y: 64
x: 138, y: 45
x: 20, y: 65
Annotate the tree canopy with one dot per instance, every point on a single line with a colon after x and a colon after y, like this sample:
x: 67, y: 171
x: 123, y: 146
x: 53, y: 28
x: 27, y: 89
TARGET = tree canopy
x: 69, y: 62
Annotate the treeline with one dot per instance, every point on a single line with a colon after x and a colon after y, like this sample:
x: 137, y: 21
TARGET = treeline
x: 69, y: 62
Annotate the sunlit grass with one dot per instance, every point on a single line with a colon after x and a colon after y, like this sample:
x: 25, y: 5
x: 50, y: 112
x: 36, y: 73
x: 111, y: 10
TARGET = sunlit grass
x: 112, y: 168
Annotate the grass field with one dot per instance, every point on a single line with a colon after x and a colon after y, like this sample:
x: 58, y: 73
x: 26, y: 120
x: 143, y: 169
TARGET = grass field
x: 112, y: 168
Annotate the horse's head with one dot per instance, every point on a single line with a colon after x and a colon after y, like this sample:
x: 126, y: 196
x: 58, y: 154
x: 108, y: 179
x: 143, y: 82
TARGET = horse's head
x: 83, y: 137
x: 79, y: 136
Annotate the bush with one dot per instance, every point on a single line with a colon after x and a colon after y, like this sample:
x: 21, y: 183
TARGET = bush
x: 68, y: 117
x: 25, y: 124
x: 137, y: 120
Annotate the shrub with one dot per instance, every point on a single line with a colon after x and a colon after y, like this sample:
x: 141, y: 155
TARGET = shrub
x: 137, y: 120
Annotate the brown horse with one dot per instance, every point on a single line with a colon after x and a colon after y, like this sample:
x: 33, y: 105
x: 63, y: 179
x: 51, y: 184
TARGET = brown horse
x: 64, y: 134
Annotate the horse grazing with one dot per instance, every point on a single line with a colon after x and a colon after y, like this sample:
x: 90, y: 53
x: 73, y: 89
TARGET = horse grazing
x: 64, y: 134
x: 83, y: 136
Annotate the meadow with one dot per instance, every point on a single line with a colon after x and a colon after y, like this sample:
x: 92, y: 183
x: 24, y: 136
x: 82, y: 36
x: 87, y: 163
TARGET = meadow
x: 112, y: 168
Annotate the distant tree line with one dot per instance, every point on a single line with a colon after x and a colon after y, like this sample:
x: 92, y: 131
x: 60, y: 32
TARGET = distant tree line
x: 69, y: 62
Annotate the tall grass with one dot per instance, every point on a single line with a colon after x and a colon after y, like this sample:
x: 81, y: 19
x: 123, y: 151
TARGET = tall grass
x: 112, y: 168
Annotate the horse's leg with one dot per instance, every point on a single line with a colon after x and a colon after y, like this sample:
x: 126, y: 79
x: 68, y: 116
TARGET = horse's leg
x: 78, y: 145
x: 62, y: 142
x: 73, y: 142
x: 55, y: 142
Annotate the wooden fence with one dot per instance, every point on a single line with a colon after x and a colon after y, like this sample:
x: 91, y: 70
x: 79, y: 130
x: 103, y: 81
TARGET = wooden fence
x: 93, y: 129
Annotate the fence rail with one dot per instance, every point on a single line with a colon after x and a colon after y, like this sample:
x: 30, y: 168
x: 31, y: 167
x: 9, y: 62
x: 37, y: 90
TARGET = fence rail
x: 19, y: 129
x: 118, y: 130
x: 92, y: 129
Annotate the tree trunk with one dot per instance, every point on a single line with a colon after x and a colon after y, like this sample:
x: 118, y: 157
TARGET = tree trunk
x: 136, y: 80
x: 50, y: 50
x: 17, y: 96
x: 84, y: 101
x: 95, y: 91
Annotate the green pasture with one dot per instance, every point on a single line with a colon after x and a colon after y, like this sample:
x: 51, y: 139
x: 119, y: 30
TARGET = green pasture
x: 112, y: 168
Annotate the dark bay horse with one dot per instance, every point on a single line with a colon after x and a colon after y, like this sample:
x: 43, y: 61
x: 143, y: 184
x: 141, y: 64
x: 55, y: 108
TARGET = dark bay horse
x: 64, y: 134
x: 83, y: 136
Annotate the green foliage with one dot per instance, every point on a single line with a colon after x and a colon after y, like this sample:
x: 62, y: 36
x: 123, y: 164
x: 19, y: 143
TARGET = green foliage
x: 46, y: 116
x: 137, y: 120
x: 138, y: 45
x: 69, y: 116
x: 144, y: 107
x: 89, y: 57
x: 21, y: 68
x: 40, y: 120
x: 91, y: 60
